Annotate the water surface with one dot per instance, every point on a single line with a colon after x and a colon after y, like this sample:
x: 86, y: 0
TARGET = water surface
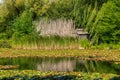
x: 60, y: 64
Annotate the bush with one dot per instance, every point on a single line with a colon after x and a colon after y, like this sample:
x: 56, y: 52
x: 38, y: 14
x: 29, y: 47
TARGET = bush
x: 85, y: 43
x: 3, y: 36
x: 5, y: 44
x: 23, y: 27
x: 106, y: 46
x: 106, y: 28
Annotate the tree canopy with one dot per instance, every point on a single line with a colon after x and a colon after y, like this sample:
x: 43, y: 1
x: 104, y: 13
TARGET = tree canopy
x: 101, y: 18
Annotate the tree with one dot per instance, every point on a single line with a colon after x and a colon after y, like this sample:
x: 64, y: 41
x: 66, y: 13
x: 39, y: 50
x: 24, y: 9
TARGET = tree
x: 106, y: 28
x: 23, y: 26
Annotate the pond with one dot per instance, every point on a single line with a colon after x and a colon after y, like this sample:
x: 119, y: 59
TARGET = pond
x: 59, y: 64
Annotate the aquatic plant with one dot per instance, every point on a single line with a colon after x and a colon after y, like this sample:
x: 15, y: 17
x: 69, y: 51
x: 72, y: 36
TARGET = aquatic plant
x: 100, y: 55
x: 30, y: 74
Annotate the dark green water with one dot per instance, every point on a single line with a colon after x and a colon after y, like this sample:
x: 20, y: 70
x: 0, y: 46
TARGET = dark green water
x: 61, y: 64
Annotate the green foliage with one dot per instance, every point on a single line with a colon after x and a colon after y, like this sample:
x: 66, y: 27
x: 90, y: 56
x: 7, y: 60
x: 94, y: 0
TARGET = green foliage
x: 48, y: 42
x: 106, y: 27
x: 106, y: 46
x: 85, y: 43
x: 5, y: 44
x: 3, y: 36
x: 101, y: 18
x: 52, y: 10
x: 23, y: 27
x: 8, y: 13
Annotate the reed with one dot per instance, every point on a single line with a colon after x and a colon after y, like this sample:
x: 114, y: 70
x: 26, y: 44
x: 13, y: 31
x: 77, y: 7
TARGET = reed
x: 54, y: 34
x: 49, y: 42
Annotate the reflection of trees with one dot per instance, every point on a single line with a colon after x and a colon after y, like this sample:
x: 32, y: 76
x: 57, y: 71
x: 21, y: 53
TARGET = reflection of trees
x: 97, y: 66
x: 64, y: 65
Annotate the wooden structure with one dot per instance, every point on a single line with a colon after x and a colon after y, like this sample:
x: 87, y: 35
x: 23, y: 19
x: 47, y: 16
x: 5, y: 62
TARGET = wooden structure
x: 81, y: 33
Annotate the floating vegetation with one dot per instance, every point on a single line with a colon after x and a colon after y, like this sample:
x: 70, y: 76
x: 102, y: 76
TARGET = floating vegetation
x: 5, y: 67
x: 112, y: 56
x: 56, y: 77
x: 100, y: 55
x: 37, y: 75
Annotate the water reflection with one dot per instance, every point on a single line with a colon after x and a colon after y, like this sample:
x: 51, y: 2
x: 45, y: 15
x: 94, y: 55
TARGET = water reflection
x: 61, y: 64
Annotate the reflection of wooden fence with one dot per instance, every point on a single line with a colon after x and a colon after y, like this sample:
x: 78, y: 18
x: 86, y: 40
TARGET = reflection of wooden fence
x: 57, y: 27
x: 60, y: 66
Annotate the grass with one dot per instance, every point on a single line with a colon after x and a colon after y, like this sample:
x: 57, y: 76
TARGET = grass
x: 48, y: 42
x: 54, y: 43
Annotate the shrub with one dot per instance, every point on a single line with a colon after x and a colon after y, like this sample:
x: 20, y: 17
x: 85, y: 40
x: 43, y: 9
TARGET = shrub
x: 3, y: 36
x: 23, y: 28
x: 5, y: 44
x: 85, y: 43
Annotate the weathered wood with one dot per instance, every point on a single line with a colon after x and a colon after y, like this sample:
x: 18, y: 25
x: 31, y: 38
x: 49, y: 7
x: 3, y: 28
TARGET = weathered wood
x: 81, y: 33
x: 63, y: 28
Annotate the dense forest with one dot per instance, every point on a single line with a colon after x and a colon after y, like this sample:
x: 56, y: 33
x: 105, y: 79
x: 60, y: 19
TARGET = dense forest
x: 101, y: 18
